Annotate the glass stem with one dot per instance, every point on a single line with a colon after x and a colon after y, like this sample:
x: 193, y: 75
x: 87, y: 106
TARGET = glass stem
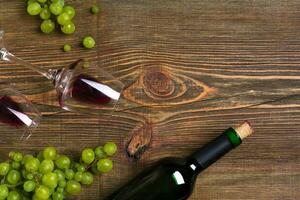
x: 7, y: 56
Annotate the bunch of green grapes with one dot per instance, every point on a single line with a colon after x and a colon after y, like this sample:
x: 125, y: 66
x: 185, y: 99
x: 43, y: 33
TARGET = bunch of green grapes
x: 50, y: 175
x: 53, y: 12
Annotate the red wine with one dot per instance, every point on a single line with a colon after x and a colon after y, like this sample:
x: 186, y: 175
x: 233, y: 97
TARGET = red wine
x: 88, y: 90
x: 11, y: 113
x: 173, y: 178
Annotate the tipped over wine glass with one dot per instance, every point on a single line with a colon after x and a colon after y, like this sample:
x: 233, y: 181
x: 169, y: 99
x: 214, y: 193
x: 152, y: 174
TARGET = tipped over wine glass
x: 83, y: 87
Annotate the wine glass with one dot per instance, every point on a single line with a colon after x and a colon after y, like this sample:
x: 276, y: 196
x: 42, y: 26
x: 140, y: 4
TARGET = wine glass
x: 18, y: 117
x: 83, y: 87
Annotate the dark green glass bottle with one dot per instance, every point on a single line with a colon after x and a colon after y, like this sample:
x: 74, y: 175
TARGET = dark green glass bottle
x: 173, y: 178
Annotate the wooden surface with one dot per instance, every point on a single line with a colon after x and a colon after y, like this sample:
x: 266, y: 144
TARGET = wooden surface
x: 177, y: 59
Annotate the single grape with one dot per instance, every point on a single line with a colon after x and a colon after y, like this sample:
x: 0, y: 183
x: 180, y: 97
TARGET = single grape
x: 17, y: 157
x: 104, y: 165
x: 67, y: 48
x: 78, y: 176
x: 88, y: 156
x: 29, y: 176
x: 15, y: 165
x: 87, y: 178
x: 13, y: 195
x: 70, y: 11
x: 26, y: 157
x: 45, y: 13
x: 68, y: 28
x: 42, y: 1
x: 46, y: 166
x: 94, y: 169
x: 13, y: 177
x: 4, y: 168
x: 62, y: 183
x: 88, y: 42
x: 110, y: 148
x: 42, y: 192
x: 60, y: 174
x: 69, y: 173
x: 3, y: 191
x: 99, y: 152
x: 95, y: 9
x: 63, y: 18
x: 34, y: 8
x: 40, y: 156
x: 50, y: 180
x: 50, y: 153
x: 56, y: 8
x: 32, y: 164
x: 47, y: 26
x: 73, y: 187
x: 60, y: 189
x: 63, y: 162
x: 11, y: 154
x: 29, y: 186
x: 80, y: 168
x: 57, y: 196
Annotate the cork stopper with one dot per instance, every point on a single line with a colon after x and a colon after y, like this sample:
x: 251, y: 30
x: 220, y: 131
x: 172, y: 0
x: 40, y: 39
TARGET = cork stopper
x: 244, y: 130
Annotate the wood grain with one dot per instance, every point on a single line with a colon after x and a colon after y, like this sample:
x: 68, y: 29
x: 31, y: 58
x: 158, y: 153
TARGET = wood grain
x: 191, y: 69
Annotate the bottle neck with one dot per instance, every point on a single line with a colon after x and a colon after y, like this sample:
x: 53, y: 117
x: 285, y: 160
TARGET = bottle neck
x: 214, y: 150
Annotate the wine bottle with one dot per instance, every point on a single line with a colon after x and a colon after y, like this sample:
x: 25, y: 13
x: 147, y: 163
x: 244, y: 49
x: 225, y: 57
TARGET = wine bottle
x: 173, y: 178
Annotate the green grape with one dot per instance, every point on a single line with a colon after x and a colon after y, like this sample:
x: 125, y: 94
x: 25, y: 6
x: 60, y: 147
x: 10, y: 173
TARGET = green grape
x: 47, y: 26
x: 13, y: 195
x: 13, y: 177
x: 56, y: 8
x: 42, y: 192
x: 99, y: 152
x: 60, y: 174
x: 68, y: 28
x: 29, y: 176
x: 87, y: 178
x: 104, y: 165
x: 57, y: 196
x: 30, y: 1
x: 63, y: 162
x: 73, y: 187
x: 34, y: 8
x: 4, y: 168
x: 50, y: 153
x: 62, y: 183
x: 26, y: 157
x: 80, y: 168
x: 46, y: 166
x: 45, y: 13
x: 3, y: 191
x: 40, y: 156
x: 70, y: 11
x: 110, y: 148
x: 17, y: 157
x: 67, y: 47
x: 42, y: 1
x: 69, y: 173
x: 88, y: 156
x: 15, y: 165
x: 29, y: 186
x: 95, y: 9
x: 32, y: 164
x: 50, y: 180
x: 11, y: 154
x: 63, y: 18
x: 88, y: 42
x: 78, y: 176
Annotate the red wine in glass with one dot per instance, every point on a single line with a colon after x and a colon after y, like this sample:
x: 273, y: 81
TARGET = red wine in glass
x: 88, y: 90
x: 12, y: 114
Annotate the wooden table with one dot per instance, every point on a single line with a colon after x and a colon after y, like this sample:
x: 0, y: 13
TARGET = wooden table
x: 179, y: 60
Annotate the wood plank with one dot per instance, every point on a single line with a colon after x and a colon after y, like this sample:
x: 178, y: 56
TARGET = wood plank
x: 191, y: 69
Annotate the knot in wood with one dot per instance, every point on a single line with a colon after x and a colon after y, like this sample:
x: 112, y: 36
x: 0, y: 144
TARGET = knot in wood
x: 158, y: 83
